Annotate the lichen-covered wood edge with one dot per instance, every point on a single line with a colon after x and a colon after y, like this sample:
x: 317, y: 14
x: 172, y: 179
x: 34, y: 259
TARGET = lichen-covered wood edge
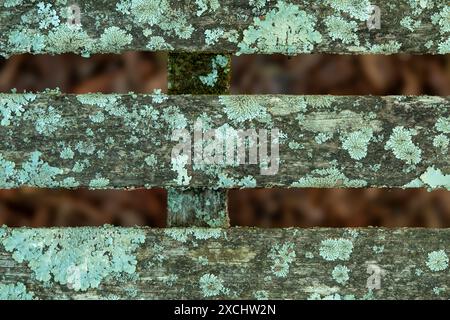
x: 142, y: 263
x: 126, y: 141
x: 255, y: 26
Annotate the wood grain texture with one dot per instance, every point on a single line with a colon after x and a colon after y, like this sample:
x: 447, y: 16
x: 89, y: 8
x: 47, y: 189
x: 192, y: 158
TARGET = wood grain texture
x: 126, y: 141
x: 198, y: 73
x: 288, y: 27
x: 238, y: 263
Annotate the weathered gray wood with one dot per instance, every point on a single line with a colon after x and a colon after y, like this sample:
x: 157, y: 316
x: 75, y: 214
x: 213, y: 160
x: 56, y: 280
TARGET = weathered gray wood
x: 197, y: 208
x: 256, y: 26
x: 198, y: 73
x: 125, y: 141
x: 116, y: 263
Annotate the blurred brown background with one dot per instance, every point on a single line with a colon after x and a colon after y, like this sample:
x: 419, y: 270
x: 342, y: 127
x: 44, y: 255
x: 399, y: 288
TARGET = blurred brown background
x: 305, y: 74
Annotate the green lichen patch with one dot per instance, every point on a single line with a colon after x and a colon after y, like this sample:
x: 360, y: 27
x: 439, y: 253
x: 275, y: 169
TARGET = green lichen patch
x: 78, y: 258
x: 401, y: 144
x: 212, y: 285
x: 356, y: 143
x: 327, y: 178
x: 336, y: 249
x: 287, y: 29
x: 437, y: 261
x: 243, y: 108
x: 359, y: 9
x: 281, y: 257
x: 183, y: 235
x: 16, y: 291
x: 434, y: 178
x: 340, y: 274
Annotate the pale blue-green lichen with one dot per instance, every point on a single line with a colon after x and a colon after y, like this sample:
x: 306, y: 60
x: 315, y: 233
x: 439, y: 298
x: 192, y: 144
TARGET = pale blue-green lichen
x: 401, y: 144
x: 213, y: 35
x: 390, y: 47
x: 281, y: 257
x: 441, y: 142
x: 85, y: 147
x: 203, y: 6
x: 334, y: 296
x: 157, y: 43
x: 341, y: 29
x: 243, y: 108
x: 358, y: 9
x: 12, y: 106
x: 442, y: 19
x: 336, y: 249
x: 378, y: 249
x: 99, y: 182
x: 65, y: 38
x: 419, y: 5
x: 444, y: 47
x: 47, y: 16
x: 212, y: 285
x: 323, y: 137
x: 115, y: 39
x: 293, y: 145
x: 258, y: 5
x: 22, y: 41
x: 158, y: 13
x: 410, y: 24
x: 211, y: 78
x: 225, y: 182
x: 327, y: 178
x: 443, y: 125
x: 47, y: 121
x: 438, y: 290
x: 16, y: 291
x: 435, y: 178
x: 174, y: 118
x: 437, y: 261
x: 340, y: 274
x: 179, y: 164
x: 261, y: 295
x: 286, y: 29
x: 12, y: 3
x: 185, y: 234
x: 357, y: 142
x: 36, y: 172
x: 285, y: 105
x: 66, y: 153
x: 318, y: 102
x: 78, y: 258
x: 158, y: 96
x: 151, y: 160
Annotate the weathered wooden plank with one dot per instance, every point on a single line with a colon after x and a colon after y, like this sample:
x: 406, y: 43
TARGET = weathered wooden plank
x: 197, y: 208
x: 198, y: 73
x: 124, y: 141
x: 116, y: 263
x: 255, y: 26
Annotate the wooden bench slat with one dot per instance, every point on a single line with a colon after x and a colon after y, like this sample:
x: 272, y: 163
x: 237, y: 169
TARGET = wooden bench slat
x: 125, y: 141
x: 142, y: 263
x: 287, y: 27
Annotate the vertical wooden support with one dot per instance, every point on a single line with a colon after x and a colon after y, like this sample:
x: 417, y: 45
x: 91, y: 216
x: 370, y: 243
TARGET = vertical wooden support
x: 198, y: 73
